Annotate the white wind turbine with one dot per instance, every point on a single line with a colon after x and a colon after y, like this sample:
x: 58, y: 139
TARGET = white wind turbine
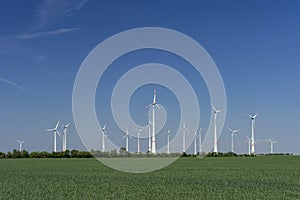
x: 138, y: 138
x: 126, y: 140
x: 153, y: 105
x: 215, y: 111
x: 149, y: 135
x: 200, y: 140
x: 271, y: 143
x: 184, y: 130
x: 65, y: 136
x: 103, y: 130
x: 55, y: 131
x: 249, y: 145
x: 195, y: 143
x: 252, y: 136
x: 232, y: 132
x: 168, y: 135
x: 20, y: 144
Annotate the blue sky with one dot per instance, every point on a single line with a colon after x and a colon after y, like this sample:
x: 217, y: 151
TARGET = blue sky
x: 255, y: 45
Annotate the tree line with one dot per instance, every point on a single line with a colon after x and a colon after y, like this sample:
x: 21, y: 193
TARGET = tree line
x: 44, y: 154
x: 112, y: 154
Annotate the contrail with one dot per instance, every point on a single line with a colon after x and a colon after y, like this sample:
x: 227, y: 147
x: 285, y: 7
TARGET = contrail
x: 15, y: 85
x: 47, y: 33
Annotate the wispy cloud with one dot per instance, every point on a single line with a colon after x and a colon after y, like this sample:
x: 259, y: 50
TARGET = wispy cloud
x: 15, y: 85
x: 47, y: 33
x: 51, y: 12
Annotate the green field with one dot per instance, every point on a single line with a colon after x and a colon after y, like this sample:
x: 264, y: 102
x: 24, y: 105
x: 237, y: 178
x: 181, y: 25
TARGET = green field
x: 264, y: 177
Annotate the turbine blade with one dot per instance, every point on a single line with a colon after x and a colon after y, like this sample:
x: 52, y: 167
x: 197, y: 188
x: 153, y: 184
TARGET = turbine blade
x: 68, y: 125
x: 154, y: 97
x: 158, y: 107
x: 213, y: 107
x: 56, y: 125
x: 57, y: 133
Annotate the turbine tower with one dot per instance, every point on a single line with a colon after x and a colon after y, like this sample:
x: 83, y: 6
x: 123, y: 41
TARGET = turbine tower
x: 252, y: 136
x: 215, y: 111
x: 232, y: 132
x: 149, y: 135
x: 126, y: 140
x: 153, y: 105
x: 20, y: 144
x: 184, y: 130
x: 249, y: 145
x: 55, y: 131
x: 195, y: 143
x: 138, y: 137
x: 200, y: 140
x: 65, y: 136
x: 168, y: 135
x: 103, y: 130
x: 271, y: 143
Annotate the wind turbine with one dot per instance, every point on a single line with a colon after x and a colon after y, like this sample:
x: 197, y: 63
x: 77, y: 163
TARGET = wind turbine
x: 271, y: 143
x: 168, y: 135
x: 195, y: 143
x: 200, y: 140
x: 55, y: 131
x: 215, y: 111
x: 252, y: 137
x: 138, y: 137
x: 249, y: 144
x: 232, y: 132
x: 103, y: 130
x: 65, y: 136
x: 184, y: 129
x: 153, y: 105
x: 149, y: 136
x: 20, y: 144
x: 127, y: 140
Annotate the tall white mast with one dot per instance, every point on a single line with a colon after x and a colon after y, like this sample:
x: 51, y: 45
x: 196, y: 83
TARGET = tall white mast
x: 252, y: 133
x: 232, y: 132
x: 215, y: 111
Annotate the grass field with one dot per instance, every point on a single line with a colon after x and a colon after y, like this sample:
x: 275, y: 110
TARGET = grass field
x: 265, y: 177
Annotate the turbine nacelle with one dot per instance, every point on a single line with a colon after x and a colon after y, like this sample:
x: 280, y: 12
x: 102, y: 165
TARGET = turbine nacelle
x: 169, y: 132
x: 154, y: 102
x: 184, y: 128
x: 272, y: 142
x: 253, y: 116
x: 126, y: 135
x: 214, y: 109
x: 66, y: 126
x: 233, y: 131
x: 103, y: 129
x: 55, y: 129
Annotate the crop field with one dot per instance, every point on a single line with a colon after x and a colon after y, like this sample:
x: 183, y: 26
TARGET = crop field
x: 261, y: 177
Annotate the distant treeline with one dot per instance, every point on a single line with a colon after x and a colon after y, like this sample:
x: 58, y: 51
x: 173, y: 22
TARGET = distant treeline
x: 45, y: 154
x: 114, y: 154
